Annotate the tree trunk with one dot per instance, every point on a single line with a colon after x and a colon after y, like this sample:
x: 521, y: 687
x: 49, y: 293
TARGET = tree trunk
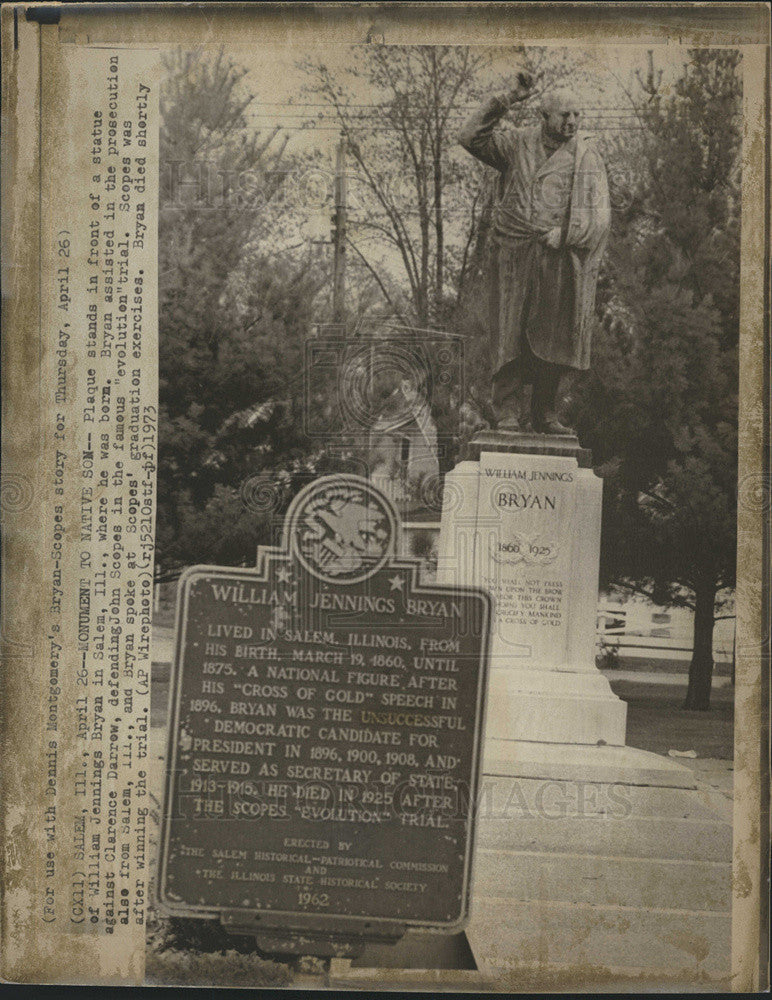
x: 423, y: 307
x: 701, y: 667
x: 439, y: 221
x: 734, y: 654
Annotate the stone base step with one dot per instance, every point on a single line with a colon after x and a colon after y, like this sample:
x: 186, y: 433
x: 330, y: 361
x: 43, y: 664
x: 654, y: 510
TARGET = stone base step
x: 552, y: 705
x: 593, y: 862
x: 520, y: 797
x: 507, y: 934
x: 637, y: 837
x: 524, y: 980
x: 603, y: 881
x: 344, y: 975
x: 569, y: 761
x: 538, y: 979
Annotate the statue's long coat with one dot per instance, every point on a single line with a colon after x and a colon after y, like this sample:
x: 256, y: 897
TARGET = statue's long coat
x: 545, y: 295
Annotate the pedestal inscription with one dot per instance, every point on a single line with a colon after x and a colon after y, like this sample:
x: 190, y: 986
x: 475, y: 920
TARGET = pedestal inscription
x: 526, y: 506
x: 526, y: 527
x: 327, y: 722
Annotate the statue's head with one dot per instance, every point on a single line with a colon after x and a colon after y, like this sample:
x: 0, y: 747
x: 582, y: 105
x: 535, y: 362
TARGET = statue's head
x: 560, y: 114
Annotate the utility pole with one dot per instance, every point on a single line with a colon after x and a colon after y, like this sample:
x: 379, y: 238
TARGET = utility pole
x: 650, y: 87
x: 339, y: 235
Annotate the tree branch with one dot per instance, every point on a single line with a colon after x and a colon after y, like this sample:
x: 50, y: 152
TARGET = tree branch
x: 637, y: 588
x: 375, y: 274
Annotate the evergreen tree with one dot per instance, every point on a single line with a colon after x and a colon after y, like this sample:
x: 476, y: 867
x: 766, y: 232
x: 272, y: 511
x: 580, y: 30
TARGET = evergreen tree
x: 234, y: 311
x: 661, y: 412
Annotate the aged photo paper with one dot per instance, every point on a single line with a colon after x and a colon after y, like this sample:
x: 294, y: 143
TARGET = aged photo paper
x: 385, y: 496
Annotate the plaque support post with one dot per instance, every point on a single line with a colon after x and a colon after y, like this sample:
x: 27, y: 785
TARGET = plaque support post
x: 522, y: 519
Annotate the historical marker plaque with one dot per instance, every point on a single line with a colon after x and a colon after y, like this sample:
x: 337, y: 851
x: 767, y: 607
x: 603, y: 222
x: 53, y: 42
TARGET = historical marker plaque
x: 326, y: 727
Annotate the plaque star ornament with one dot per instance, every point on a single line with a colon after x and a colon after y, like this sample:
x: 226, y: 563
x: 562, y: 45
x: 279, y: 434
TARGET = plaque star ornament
x: 283, y: 574
x: 396, y: 582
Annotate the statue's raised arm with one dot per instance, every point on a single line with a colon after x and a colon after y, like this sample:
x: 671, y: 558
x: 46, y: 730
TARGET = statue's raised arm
x: 481, y: 134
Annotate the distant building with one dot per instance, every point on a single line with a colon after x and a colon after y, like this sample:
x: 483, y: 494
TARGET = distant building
x: 403, y: 443
x: 636, y: 626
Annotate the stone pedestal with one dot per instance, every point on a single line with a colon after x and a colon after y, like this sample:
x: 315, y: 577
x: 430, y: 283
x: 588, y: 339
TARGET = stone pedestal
x: 595, y: 865
x: 521, y: 518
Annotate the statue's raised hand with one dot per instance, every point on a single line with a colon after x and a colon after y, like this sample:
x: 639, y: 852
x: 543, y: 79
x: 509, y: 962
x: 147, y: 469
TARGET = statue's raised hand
x: 522, y: 88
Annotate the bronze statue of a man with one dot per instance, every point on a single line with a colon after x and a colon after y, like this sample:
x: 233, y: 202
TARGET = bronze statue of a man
x: 550, y: 226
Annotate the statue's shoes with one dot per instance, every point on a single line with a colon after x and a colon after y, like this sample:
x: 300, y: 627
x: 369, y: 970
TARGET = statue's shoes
x: 549, y: 424
x: 509, y: 422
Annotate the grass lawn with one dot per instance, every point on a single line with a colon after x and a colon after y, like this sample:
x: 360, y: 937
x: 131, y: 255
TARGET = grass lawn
x: 656, y: 721
x: 164, y: 616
